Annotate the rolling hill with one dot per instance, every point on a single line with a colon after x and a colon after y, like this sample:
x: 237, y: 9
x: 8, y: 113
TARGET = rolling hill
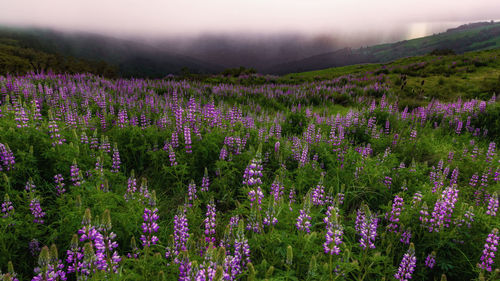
x: 471, y: 37
x: 131, y: 59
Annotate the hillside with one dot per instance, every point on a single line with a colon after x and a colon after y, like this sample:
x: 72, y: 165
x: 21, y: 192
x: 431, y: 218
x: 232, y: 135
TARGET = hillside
x: 132, y: 59
x: 420, y: 79
x: 472, y: 37
x: 14, y: 58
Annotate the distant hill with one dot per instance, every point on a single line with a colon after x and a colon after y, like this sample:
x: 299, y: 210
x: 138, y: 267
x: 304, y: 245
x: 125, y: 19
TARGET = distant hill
x: 35, y: 49
x: 470, y: 37
x: 17, y: 58
x: 131, y: 59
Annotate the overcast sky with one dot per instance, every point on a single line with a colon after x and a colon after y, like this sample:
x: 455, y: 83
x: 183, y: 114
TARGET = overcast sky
x: 195, y: 17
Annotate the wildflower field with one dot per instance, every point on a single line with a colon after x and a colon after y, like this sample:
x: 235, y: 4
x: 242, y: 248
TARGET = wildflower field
x: 255, y: 178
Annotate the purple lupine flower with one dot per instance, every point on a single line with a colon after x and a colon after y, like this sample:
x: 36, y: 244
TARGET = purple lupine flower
x: 34, y: 247
x: 387, y: 182
x: 277, y: 146
x: 59, y: 181
x: 430, y: 261
x: 7, y: 207
x: 30, y: 186
x: 135, y: 250
x: 105, y: 145
x: 21, y: 118
x: 318, y: 195
x: 75, y: 175
x: 210, y: 223
x: 191, y: 193
x: 36, y: 211
x: 340, y: 198
x: 270, y: 216
x: 205, y: 181
x: 185, y: 270
x: 304, y: 221
x: 174, y: 140
x: 490, y: 247
x: 84, y: 139
x: 366, y: 227
x: 107, y: 257
x: 223, y: 153
x: 491, y: 152
x: 334, y: 232
x: 74, y: 255
x: 149, y: 226
x: 277, y: 190
x: 417, y: 198
x: 393, y: 217
x: 451, y: 154
x: 122, y: 118
x: 406, y: 237
x: 473, y: 180
x: 116, y: 160
x: 56, y: 137
x: 474, y: 152
x: 171, y: 156
x: 458, y: 129
x: 413, y: 135
x: 253, y: 173
x: 181, y: 234
x: 131, y: 187
x: 48, y: 269
x: 303, y: 157
x: 469, y: 215
x: 493, y: 205
x: 254, y: 222
x: 454, y: 177
x: 187, y: 138
x: 443, y: 209
x: 7, y: 159
x: 291, y: 198
x: 407, y: 265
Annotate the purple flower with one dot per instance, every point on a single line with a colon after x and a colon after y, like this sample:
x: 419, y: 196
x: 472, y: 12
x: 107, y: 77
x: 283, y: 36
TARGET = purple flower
x: 407, y: 265
x: 443, y: 209
x: 7, y: 159
x: 116, y: 160
x: 7, y: 207
x: 56, y: 137
x: 366, y: 227
x: 181, y: 234
x: 490, y: 247
x: 210, y: 223
x: 187, y: 138
x: 406, y: 237
x: 430, y: 261
x: 149, y: 227
x: 59, y: 181
x: 304, y: 221
x: 318, y: 195
x: 334, y: 232
x: 171, y: 156
x: 131, y: 187
x: 75, y: 175
x: 393, y: 217
x: 36, y: 211
x: 253, y: 173
x: 277, y: 190
x: 493, y: 205
x: 185, y: 270
x: 205, y: 182
x: 191, y: 193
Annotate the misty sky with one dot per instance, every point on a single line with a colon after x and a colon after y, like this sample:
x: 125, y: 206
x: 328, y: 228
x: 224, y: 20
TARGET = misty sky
x: 195, y: 17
